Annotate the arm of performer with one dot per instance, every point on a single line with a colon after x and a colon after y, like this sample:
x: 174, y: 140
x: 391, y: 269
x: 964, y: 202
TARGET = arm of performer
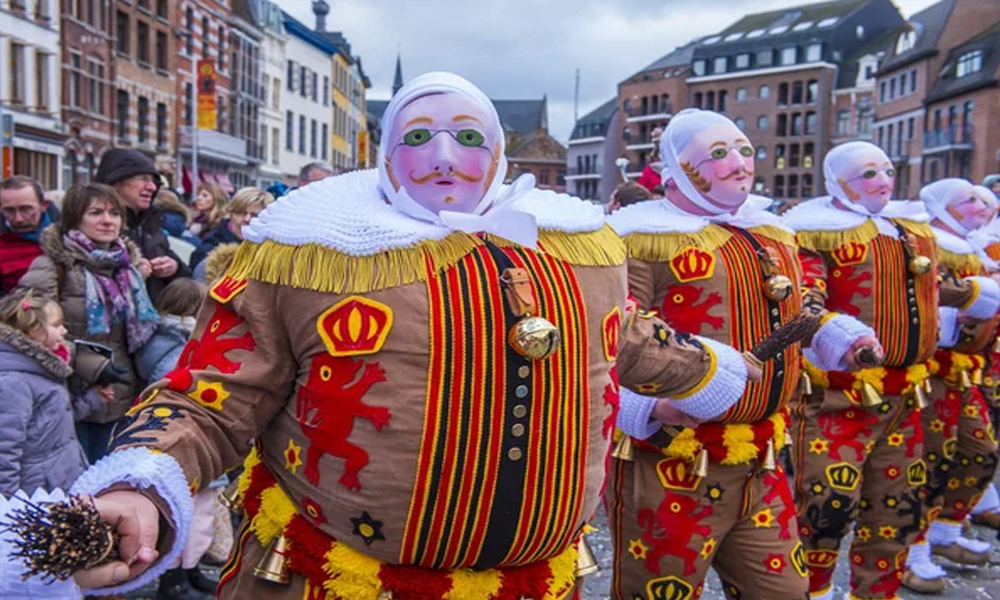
x: 835, y: 345
x: 976, y: 298
x: 193, y: 426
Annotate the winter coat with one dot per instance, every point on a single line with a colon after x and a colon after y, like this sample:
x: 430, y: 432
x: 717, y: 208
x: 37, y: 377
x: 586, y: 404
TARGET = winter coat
x: 218, y: 236
x: 147, y: 231
x: 38, y: 445
x: 59, y: 274
x: 159, y: 355
x: 17, y: 250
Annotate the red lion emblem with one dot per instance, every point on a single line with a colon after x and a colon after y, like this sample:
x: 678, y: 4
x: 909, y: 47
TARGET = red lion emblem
x: 326, y: 408
x: 844, y: 285
x: 844, y: 428
x: 778, y: 482
x: 210, y: 350
x: 611, y: 392
x: 669, y: 530
x: 683, y: 311
x: 915, y: 440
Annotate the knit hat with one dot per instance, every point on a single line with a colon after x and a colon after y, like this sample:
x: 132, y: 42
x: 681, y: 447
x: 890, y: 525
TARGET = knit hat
x: 936, y: 197
x: 118, y: 164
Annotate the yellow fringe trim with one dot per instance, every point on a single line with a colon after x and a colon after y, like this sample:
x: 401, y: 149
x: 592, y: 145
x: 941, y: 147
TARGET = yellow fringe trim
x: 251, y: 461
x: 601, y: 248
x: 661, y: 247
x: 775, y: 233
x: 827, y: 241
x: 737, y: 439
x: 915, y: 375
x: 276, y: 511
x: 920, y: 229
x: 966, y: 263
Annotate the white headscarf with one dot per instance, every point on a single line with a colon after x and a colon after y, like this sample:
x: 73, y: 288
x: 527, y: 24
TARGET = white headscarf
x: 491, y: 214
x: 835, y: 164
x: 679, y: 133
x: 937, y: 195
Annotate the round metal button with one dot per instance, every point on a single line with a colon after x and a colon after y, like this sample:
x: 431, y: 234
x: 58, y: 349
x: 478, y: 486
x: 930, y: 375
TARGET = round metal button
x: 520, y: 411
x: 916, y: 321
x: 515, y: 454
x: 524, y: 371
x: 521, y: 391
x: 517, y: 430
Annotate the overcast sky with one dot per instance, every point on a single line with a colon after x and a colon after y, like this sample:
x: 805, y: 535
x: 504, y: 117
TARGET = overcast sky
x: 522, y: 49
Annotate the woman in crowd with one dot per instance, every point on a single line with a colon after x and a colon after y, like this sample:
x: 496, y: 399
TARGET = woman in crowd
x: 210, y: 204
x: 245, y: 206
x: 97, y: 277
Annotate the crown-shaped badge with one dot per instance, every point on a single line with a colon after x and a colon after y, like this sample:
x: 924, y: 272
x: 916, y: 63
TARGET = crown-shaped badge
x: 850, y: 253
x: 843, y: 476
x: 693, y: 264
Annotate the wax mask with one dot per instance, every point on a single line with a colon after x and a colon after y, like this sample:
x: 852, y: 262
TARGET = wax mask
x: 718, y: 161
x: 972, y: 208
x: 868, y: 179
x: 443, y: 151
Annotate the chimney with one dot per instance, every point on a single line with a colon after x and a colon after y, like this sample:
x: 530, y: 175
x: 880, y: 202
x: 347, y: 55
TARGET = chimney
x: 398, y: 81
x: 321, y: 9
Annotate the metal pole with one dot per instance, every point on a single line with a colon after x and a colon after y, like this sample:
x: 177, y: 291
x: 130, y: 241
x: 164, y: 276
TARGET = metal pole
x: 194, y: 126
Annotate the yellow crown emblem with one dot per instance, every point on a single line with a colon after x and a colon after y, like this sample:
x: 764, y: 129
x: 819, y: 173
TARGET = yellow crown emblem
x: 843, y: 476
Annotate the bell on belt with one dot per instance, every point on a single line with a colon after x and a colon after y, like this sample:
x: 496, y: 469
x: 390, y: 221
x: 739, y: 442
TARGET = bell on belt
x: 920, y: 265
x: 928, y: 388
x: 535, y: 338
x: 273, y: 566
x: 778, y: 288
x: 770, y: 462
x: 807, y: 384
x: 966, y: 381
x: 623, y: 449
x: 977, y: 377
x: 701, y: 465
x: 586, y: 563
x: 919, y: 397
x: 384, y: 595
x: 996, y: 345
x: 869, y: 395
x: 230, y: 497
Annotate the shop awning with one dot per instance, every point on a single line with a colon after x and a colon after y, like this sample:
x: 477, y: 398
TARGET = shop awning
x: 223, y: 178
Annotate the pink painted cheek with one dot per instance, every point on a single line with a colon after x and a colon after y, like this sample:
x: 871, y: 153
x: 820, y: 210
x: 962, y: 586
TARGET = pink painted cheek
x: 416, y: 162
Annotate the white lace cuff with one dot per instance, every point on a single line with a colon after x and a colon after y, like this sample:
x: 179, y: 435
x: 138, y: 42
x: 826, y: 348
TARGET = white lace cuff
x: 948, y: 322
x: 634, y: 412
x: 143, y: 469
x: 721, y: 387
x: 833, y: 340
x: 986, y: 301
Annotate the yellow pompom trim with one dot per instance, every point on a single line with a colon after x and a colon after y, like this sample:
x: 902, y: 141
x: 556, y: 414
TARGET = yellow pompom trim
x: 737, y: 438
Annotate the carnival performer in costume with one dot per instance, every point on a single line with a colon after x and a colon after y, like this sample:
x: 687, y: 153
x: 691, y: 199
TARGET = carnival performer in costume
x: 959, y: 446
x: 712, y: 261
x: 858, y: 439
x: 650, y: 177
x: 391, y: 340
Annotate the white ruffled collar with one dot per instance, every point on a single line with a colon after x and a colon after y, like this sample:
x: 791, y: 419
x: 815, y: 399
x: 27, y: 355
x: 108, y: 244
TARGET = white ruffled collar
x: 348, y: 213
x: 662, y: 216
x: 819, y: 214
x: 952, y: 243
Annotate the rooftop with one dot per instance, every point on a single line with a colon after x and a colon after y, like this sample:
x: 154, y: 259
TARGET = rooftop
x: 678, y: 57
x: 979, y: 58
x: 595, y: 123
x: 923, y: 31
x: 795, y: 19
x: 317, y: 40
x: 878, y: 45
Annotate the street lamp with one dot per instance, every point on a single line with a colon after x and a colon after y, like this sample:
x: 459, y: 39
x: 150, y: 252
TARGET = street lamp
x: 185, y: 35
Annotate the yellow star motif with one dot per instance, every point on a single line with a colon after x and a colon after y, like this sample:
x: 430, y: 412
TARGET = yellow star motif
x: 764, y: 518
x: 637, y: 549
x: 971, y: 482
x: 210, y: 395
x: 971, y: 411
x: 864, y: 534
x: 896, y: 440
x: 293, y: 457
x: 954, y: 483
x: 937, y: 425
x: 819, y: 446
x: 708, y: 548
x: 888, y: 532
x: 648, y: 388
x: 869, y: 446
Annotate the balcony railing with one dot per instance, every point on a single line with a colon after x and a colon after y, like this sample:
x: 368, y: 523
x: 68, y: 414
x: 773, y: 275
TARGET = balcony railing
x: 950, y: 137
x: 591, y: 170
x: 899, y: 151
x: 664, y: 109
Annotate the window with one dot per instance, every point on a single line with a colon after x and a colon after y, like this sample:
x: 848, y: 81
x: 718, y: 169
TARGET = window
x: 325, y: 141
x: 720, y: 64
x: 741, y: 94
x: 796, y: 124
x: 303, y: 82
x: 122, y: 114
x: 17, y: 74
x: 326, y: 91
x: 889, y: 131
x: 289, y: 131
x: 761, y: 152
x: 189, y: 105
x: 969, y: 63
x: 161, y: 124
x: 276, y: 94
x: 313, y: 138
x: 843, y: 122
x: 906, y: 41
x: 779, y: 156
x: 302, y: 134
x: 762, y: 122
x: 765, y: 92
x: 882, y: 87
x: 779, y: 186
x: 205, y: 35
x: 142, y: 41
x: 723, y: 96
x: 788, y: 56
x: 913, y: 81
x: 902, y: 84
x: 743, y: 61
x: 121, y: 33
x: 910, y: 124
x: 796, y: 93
x: 782, y: 94
x: 189, y: 23
x: 892, y: 88
x: 741, y: 123
x: 41, y: 82
x: 710, y: 100
x: 808, y: 154
x: 76, y: 80
x: 315, y: 86
x: 793, y: 186
x: 161, y: 51
x: 276, y: 145
x: 807, y: 185
x: 698, y: 100
x: 143, y: 123
x: 765, y: 58
x: 812, y: 91
x: 290, y: 75
x: 782, y: 128
x: 161, y: 9
x: 793, y: 156
x: 814, y: 52
x: 698, y: 67
x: 810, y: 123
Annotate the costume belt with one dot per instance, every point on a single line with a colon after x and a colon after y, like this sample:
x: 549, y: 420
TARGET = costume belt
x: 891, y: 381
x: 958, y: 369
x: 348, y: 574
x: 727, y: 444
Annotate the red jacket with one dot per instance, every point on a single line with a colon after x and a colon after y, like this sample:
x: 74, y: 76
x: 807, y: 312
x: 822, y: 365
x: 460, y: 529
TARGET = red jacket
x: 650, y: 178
x: 16, y: 255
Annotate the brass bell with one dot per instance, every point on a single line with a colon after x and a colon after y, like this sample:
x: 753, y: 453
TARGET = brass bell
x: 977, y: 377
x: 535, y: 338
x: 623, y: 449
x: 920, y: 265
x: 919, y: 397
x: 928, y: 388
x: 586, y: 562
x: 807, y: 384
x: 770, y: 462
x: 965, y: 380
x: 230, y: 497
x: 996, y: 345
x: 778, y: 288
x: 701, y: 464
x: 869, y: 395
x: 273, y: 566
x: 384, y: 595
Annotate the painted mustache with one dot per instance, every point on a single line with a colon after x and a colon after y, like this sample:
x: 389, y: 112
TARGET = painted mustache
x: 735, y: 173
x: 451, y: 173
